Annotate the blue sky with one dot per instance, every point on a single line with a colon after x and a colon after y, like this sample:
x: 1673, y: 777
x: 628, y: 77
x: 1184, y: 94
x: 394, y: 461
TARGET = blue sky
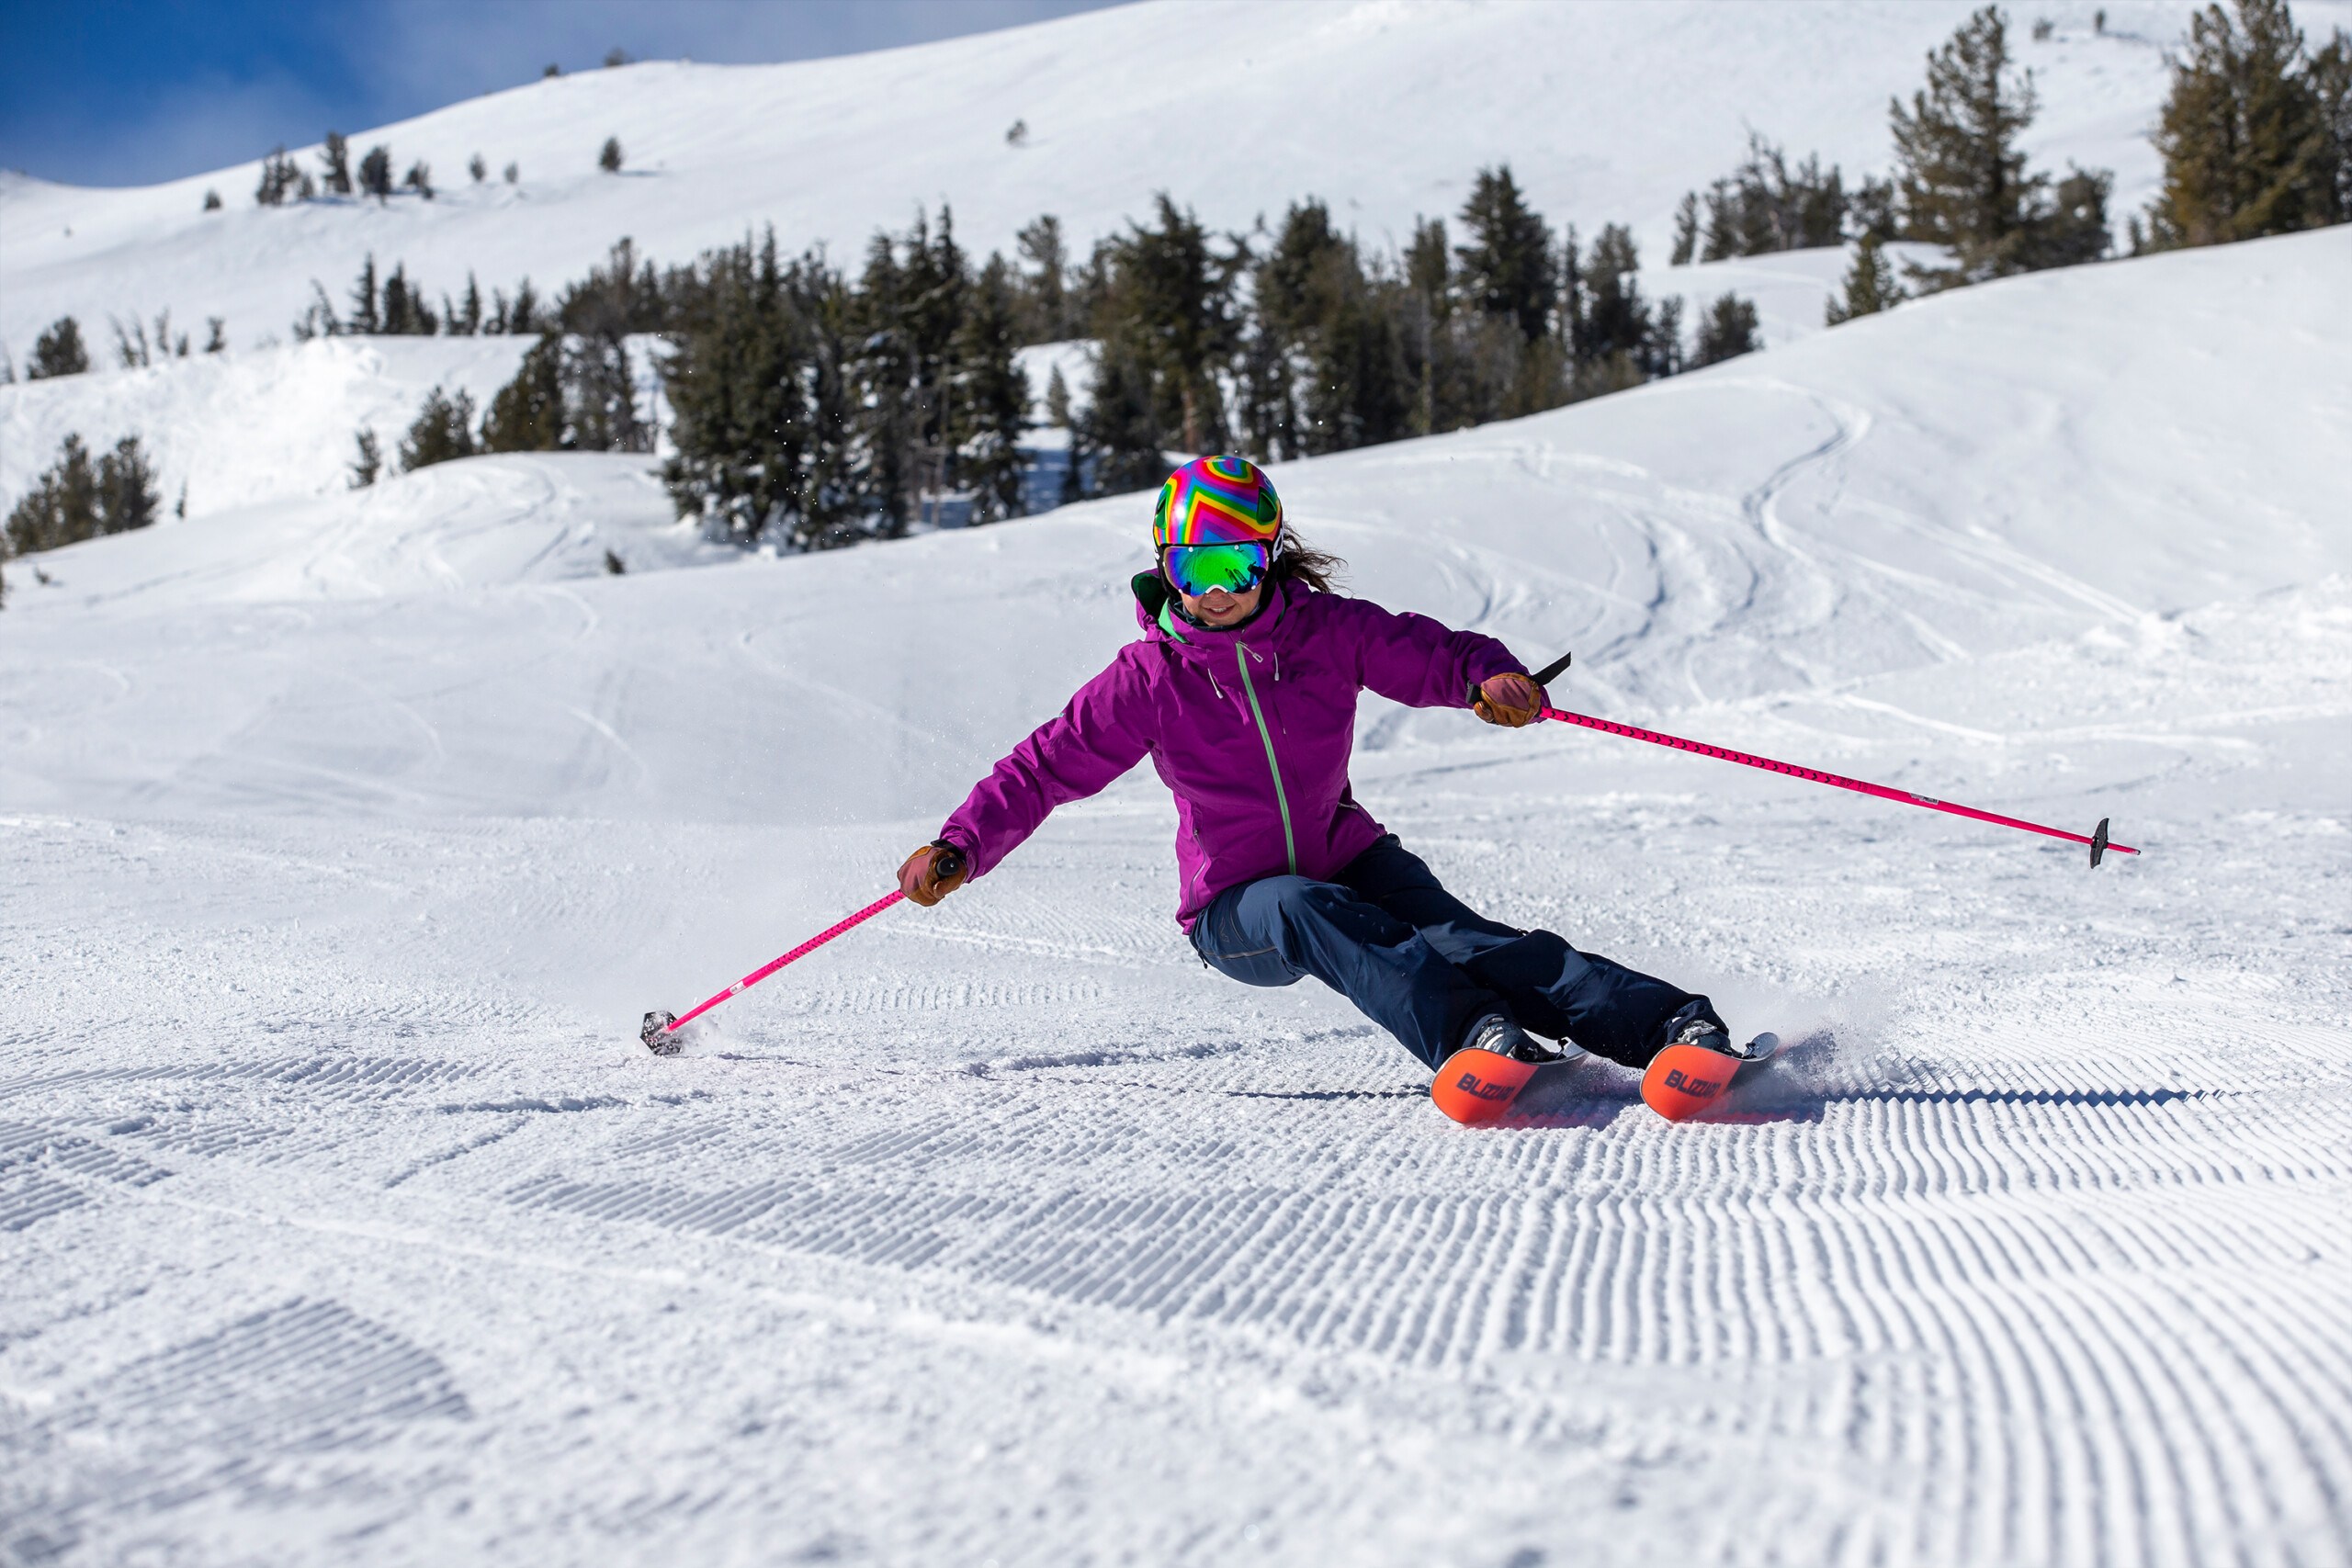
x: 129, y: 92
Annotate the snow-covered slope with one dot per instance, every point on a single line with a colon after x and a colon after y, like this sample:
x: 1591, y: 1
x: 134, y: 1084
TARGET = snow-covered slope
x: 347, y: 838
x: 249, y: 426
x: 1608, y: 112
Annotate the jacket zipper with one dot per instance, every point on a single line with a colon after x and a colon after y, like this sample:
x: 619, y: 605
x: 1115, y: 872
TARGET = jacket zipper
x: 1281, y: 801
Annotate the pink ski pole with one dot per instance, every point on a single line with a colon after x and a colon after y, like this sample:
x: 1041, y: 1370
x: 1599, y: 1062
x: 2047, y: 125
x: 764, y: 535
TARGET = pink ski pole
x: 660, y: 1030
x: 2097, y: 840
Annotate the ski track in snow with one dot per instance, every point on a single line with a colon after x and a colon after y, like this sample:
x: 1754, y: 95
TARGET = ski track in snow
x: 344, y: 1220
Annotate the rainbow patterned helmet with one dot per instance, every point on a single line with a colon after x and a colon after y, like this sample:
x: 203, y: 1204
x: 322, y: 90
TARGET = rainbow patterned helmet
x: 1217, y: 501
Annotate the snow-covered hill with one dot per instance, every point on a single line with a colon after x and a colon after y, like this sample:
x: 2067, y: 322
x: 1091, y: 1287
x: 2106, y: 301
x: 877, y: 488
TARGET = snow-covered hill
x: 347, y: 838
x: 1606, y: 112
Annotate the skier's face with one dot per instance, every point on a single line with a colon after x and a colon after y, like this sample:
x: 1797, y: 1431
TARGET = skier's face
x: 1219, y: 608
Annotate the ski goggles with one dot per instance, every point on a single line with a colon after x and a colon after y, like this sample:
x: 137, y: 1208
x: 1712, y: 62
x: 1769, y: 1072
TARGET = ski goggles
x: 1196, y: 569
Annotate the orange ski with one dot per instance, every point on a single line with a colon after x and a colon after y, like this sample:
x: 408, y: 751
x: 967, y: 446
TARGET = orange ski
x: 1684, y: 1080
x: 1476, y: 1086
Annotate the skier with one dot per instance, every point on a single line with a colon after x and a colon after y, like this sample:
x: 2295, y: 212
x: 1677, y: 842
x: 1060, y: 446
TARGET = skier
x: 1242, y: 690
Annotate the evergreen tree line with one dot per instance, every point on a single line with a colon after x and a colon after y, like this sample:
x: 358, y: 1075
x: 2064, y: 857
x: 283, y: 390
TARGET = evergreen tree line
x: 80, y: 498
x: 2255, y: 133
x: 2256, y: 137
x: 575, y: 389
x: 1304, y: 341
x: 283, y: 180
x: 1958, y: 181
x: 812, y: 409
x: 394, y: 306
x: 61, y: 351
x: 1765, y: 205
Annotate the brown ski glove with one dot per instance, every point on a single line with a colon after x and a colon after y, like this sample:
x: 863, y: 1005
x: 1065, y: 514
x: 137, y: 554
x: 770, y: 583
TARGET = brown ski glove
x: 931, y: 873
x: 1512, y: 700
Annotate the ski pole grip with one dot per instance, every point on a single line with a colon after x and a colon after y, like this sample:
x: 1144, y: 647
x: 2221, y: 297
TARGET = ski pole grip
x: 948, y: 862
x: 1543, y: 677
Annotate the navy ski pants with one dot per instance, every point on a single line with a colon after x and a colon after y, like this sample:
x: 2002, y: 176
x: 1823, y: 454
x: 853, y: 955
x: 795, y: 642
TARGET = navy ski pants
x: 1426, y: 966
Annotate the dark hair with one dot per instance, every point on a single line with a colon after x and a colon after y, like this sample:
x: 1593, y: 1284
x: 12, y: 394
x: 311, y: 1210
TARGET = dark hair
x: 1295, y: 560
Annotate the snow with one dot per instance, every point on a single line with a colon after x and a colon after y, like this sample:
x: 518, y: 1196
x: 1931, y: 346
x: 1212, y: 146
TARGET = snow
x: 1607, y: 113
x: 349, y: 832
x: 1385, y: 110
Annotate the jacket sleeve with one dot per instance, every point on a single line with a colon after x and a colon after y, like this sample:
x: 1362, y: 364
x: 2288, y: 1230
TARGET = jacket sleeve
x: 1105, y: 731
x: 1418, y: 661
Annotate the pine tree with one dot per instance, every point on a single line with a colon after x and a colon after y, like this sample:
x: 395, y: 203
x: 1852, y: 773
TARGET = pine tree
x: 1869, y: 285
x: 1686, y: 230
x: 366, y: 316
x: 77, y: 499
x: 419, y: 179
x: 1763, y: 206
x: 405, y: 312
x: 1962, y: 175
x: 526, y: 414
x: 280, y: 179
x: 1337, y: 331
x: 1961, y: 180
x: 216, y: 335
x: 600, y: 395
x: 1614, y: 326
x: 127, y: 495
x: 477, y: 168
x: 1428, y: 306
x: 609, y: 158
x: 738, y: 384
x: 992, y: 397
x: 524, y: 315
x: 211, y: 200
x: 2071, y: 227
x: 59, y: 351
x: 443, y: 431
x: 336, y: 158
x: 375, y: 173
x: 835, y: 506
x: 1058, y: 412
x: 1727, y: 330
x: 370, y: 462
x: 131, y: 344
x: 1079, y: 478
x: 1872, y: 211
x: 1044, y: 299
x: 2332, y: 78
x: 1122, y: 430
x: 317, y: 319
x: 1169, y: 303
x: 1507, y: 269
x: 883, y: 365
x: 2246, y: 135
x: 63, y: 506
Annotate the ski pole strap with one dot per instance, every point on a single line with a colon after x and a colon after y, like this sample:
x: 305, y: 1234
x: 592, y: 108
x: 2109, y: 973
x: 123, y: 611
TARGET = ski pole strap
x: 814, y: 942
x: 1543, y: 677
x: 2098, y: 843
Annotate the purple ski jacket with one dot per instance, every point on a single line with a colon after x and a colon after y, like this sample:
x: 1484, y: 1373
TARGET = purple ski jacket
x: 1250, y: 728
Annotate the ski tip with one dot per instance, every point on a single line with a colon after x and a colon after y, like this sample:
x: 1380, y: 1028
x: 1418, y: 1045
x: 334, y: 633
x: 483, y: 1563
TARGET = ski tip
x: 1476, y: 1087
x: 655, y: 1034
x: 1684, y: 1080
